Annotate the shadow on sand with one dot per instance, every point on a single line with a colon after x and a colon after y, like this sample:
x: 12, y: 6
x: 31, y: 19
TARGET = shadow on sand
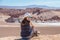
x: 23, y: 39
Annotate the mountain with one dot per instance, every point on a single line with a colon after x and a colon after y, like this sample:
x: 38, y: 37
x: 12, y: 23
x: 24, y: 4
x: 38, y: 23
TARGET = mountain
x: 30, y: 6
x: 39, y: 6
x: 22, y: 7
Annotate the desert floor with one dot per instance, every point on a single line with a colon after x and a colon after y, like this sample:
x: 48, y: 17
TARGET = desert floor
x: 46, y: 33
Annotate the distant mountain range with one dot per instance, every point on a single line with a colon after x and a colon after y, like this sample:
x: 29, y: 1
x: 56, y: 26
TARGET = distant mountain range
x: 30, y: 6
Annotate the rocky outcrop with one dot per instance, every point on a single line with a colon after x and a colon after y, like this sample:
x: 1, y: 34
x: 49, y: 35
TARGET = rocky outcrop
x: 41, y: 14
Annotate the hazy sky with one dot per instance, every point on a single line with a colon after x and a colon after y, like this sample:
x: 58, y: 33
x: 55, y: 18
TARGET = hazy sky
x: 53, y: 3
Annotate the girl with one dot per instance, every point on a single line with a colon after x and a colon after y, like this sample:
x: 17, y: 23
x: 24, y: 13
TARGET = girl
x: 27, y: 28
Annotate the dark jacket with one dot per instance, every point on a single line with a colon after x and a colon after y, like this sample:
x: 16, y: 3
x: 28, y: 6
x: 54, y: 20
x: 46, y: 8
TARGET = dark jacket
x: 25, y: 29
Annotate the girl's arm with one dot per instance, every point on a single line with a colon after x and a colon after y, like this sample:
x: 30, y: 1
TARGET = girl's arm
x: 19, y: 20
x: 32, y: 25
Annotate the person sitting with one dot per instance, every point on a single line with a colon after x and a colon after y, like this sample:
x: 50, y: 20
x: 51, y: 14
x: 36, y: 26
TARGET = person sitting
x: 27, y: 28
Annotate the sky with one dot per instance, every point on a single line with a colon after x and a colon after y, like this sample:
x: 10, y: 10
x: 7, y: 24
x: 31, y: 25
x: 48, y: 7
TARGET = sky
x: 52, y: 3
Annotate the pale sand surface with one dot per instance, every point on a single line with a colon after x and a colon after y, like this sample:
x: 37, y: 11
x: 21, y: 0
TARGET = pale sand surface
x: 46, y: 33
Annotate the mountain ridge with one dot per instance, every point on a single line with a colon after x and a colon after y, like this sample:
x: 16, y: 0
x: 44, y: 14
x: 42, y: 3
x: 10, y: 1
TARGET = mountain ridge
x: 29, y: 6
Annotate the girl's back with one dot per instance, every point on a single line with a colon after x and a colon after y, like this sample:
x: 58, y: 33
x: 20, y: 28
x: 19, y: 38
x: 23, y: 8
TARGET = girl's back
x: 25, y: 28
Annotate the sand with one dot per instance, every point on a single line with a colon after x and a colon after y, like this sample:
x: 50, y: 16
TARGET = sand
x: 11, y: 31
x: 46, y: 33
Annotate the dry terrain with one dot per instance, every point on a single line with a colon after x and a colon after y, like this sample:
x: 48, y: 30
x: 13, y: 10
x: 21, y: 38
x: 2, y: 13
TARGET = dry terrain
x: 39, y: 14
x: 11, y: 31
x: 46, y: 33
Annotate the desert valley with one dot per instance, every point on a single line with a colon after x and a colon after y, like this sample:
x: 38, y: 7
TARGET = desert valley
x: 10, y: 28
